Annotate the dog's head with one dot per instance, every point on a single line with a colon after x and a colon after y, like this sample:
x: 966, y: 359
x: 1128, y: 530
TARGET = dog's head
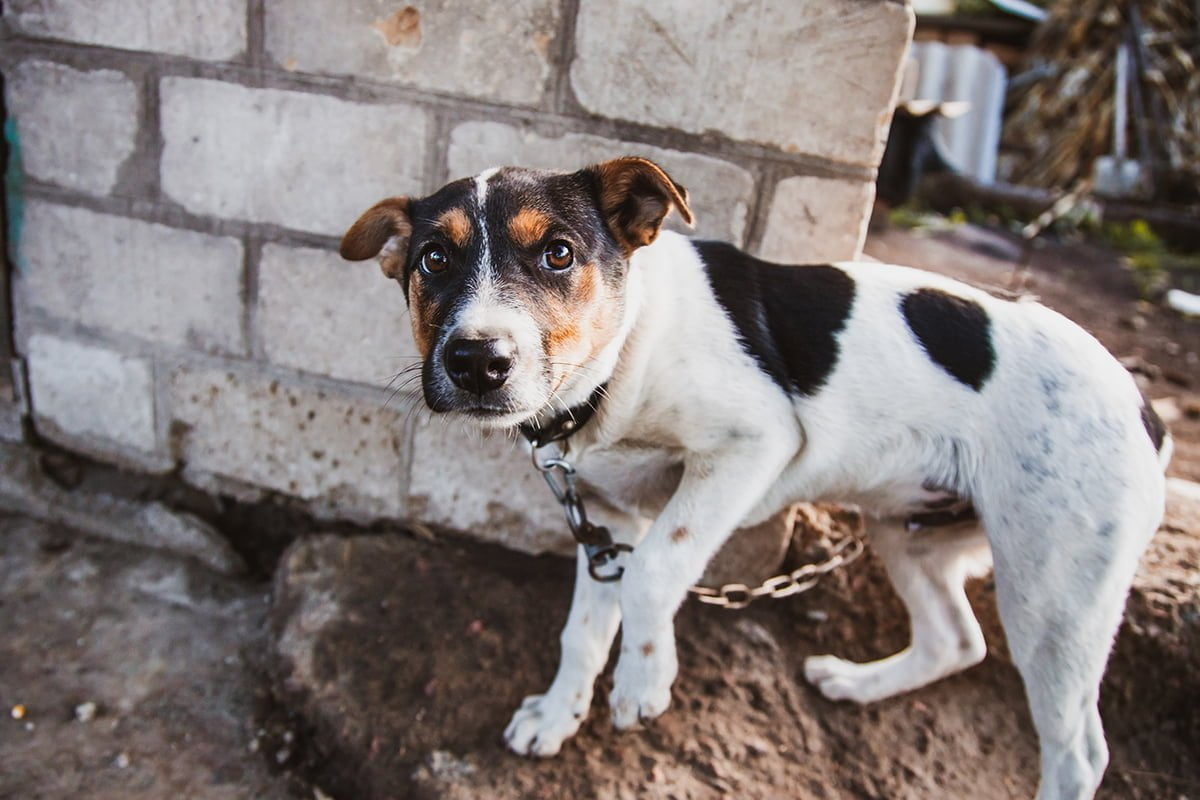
x: 515, y: 278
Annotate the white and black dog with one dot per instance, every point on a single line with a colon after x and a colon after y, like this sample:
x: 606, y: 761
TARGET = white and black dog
x: 725, y: 388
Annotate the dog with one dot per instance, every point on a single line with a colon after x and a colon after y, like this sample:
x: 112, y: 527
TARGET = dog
x: 709, y: 389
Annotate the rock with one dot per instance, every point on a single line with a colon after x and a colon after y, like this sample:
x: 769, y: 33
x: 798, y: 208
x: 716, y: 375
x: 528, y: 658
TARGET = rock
x: 406, y: 658
x: 24, y: 488
x: 753, y: 554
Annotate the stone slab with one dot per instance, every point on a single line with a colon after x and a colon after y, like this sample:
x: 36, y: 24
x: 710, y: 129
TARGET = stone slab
x: 215, y: 31
x: 302, y: 161
x: 74, y: 128
x: 483, y: 485
x: 91, y: 397
x: 163, y: 284
x: 821, y: 80
x: 815, y: 220
x: 321, y: 314
x: 344, y: 455
x: 497, y: 52
x: 719, y: 192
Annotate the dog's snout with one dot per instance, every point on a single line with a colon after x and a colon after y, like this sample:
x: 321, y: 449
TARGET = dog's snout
x: 479, y: 365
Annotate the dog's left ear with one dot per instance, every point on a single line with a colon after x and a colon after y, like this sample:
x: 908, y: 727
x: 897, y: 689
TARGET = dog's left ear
x: 635, y: 195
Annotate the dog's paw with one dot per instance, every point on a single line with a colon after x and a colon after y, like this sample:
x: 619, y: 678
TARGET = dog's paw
x: 631, y: 710
x: 839, y: 679
x: 540, y: 726
x: 641, y: 689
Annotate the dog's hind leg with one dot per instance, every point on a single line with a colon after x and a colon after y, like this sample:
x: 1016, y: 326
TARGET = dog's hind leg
x: 545, y: 721
x: 928, y: 569
x: 1060, y: 591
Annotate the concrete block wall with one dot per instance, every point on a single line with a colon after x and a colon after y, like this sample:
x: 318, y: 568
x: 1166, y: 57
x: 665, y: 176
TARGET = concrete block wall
x: 180, y: 173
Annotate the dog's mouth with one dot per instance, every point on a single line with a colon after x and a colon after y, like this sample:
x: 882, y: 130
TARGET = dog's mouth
x: 497, y: 409
x: 489, y: 417
x: 487, y: 412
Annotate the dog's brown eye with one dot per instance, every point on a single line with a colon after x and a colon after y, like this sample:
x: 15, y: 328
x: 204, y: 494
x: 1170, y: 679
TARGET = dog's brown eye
x: 558, y: 255
x: 434, y: 260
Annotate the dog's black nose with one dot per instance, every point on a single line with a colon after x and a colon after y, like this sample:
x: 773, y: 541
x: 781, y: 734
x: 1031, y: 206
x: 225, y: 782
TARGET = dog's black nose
x: 479, y: 365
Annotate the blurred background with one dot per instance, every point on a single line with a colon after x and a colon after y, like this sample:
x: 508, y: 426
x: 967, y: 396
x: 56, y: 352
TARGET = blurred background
x: 190, y: 370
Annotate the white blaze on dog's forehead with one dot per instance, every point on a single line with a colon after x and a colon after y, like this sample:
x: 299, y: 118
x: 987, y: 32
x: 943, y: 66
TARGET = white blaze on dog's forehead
x: 485, y: 253
x: 487, y: 314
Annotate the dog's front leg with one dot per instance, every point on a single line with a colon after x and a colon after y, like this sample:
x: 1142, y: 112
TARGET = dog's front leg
x: 716, y: 493
x: 545, y: 721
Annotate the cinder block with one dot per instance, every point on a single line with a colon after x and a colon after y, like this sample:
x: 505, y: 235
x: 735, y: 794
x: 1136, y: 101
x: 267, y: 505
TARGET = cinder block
x: 73, y: 128
x: 90, y: 397
x: 320, y: 314
x: 163, y: 284
x: 303, y: 161
x: 817, y: 220
x: 720, y: 192
x: 214, y: 30
x: 483, y: 485
x: 494, y: 51
x: 811, y: 76
x: 345, y: 455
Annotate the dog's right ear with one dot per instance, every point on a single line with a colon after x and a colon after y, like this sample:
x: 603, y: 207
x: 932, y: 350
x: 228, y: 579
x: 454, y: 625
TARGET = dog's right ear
x: 383, y: 231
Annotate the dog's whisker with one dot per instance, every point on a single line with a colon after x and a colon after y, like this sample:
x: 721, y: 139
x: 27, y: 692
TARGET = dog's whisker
x: 401, y: 374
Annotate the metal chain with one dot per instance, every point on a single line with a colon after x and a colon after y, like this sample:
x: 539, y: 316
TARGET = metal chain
x: 561, y: 477
x: 596, y: 540
x: 801, y: 579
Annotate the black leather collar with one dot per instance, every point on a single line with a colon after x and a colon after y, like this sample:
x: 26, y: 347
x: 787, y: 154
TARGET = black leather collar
x: 565, y: 424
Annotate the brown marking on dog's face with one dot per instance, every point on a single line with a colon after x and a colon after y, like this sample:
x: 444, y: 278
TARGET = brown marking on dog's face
x: 455, y: 223
x: 418, y: 311
x: 578, y: 324
x: 680, y: 534
x: 528, y: 227
x: 647, y: 649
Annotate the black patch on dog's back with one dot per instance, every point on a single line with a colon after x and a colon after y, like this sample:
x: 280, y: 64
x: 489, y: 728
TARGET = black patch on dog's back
x: 954, y: 331
x: 787, y: 317
x: 1155, y: 428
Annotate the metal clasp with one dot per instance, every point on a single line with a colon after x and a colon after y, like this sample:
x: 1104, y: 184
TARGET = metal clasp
x: 596, y: 540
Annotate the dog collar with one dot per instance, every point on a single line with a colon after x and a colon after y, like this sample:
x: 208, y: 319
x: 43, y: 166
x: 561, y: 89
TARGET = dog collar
x: 563, y: 425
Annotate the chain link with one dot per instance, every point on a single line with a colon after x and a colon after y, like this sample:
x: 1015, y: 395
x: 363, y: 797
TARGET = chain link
x: 801, y: 579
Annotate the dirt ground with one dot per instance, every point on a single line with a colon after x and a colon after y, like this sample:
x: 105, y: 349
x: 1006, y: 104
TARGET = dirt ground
x: 385, y: 665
